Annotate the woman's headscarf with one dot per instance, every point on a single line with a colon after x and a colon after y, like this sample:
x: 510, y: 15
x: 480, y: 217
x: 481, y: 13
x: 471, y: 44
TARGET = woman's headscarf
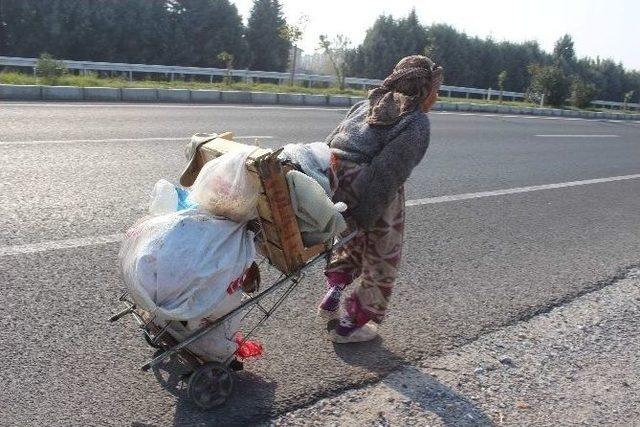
x: 404, y: 90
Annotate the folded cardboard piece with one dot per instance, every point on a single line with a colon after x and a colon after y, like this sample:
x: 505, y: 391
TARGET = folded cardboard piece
x: 205, y: 147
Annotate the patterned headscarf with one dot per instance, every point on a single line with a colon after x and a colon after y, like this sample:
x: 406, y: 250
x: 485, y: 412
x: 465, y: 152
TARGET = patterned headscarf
x: 404, y: 90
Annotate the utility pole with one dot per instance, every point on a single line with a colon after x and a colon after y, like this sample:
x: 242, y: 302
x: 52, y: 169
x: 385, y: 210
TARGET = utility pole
x: 293, y: 64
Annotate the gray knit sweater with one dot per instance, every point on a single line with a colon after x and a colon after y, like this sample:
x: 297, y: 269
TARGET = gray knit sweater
x: 387, y: 154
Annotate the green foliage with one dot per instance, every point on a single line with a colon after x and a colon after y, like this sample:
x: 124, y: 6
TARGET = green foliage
x: 582, y: 93
x: 474, y: 62
x: 550, y: 83
x: 627, y: 98
x: 336, y: 50
x: 269, y: 50
x: 49, y: 69
x: 227, y: 60
x: 385, y: 43
x: 14, y: 78
x: 168, y: 32
x: 193, y: 32
x: 564, y: 54
x: 502, y: 77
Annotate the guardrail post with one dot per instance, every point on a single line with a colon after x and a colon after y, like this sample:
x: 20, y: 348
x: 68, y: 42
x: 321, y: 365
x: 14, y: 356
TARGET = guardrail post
x: 130, y: 75
x: 467, y: 94
x: 489, y: 94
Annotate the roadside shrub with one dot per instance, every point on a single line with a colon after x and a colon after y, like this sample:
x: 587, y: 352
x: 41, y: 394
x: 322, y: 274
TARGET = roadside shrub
x: 49, y: 69
x: 582, y: 93
x: 548, y: 81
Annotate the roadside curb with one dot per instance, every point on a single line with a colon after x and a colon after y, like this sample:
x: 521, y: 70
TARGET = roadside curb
x: 206, y: 96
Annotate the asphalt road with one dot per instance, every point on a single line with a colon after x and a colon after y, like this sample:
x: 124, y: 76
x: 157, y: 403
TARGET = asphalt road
x: 471, y: 266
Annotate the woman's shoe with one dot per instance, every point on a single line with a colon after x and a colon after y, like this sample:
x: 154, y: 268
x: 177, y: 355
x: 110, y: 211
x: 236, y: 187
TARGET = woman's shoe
x: 330, y: 305
x: 346, y: 331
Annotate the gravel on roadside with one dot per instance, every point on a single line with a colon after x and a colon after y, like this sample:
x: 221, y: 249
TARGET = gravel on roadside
x: 575, y: 365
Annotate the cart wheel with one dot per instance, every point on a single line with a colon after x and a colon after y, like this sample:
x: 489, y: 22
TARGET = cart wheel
x: 149, y: 341
x: 210, y: 385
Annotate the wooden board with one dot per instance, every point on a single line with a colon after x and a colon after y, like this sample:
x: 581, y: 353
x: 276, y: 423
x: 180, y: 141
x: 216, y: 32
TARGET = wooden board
x: 280, y: 239
x: 284, y: 219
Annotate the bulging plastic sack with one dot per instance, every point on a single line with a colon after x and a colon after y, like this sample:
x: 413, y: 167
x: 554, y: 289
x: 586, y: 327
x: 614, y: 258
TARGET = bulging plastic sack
x: 164, y: 198
x: 167, y: 198
x: 225, y: 188
x: 220, y: 343
x: 180, y: 266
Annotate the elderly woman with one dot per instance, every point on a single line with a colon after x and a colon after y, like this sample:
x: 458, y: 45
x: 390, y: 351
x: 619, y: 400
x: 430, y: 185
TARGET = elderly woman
x: 375, y: 148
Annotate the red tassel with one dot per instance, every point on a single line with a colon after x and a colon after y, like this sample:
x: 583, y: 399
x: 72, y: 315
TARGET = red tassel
x: 247, y: 349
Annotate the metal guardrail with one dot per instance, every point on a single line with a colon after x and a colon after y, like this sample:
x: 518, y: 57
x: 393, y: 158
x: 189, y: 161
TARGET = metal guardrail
x: 171, y: 71
x: 612, y: 104
x: 248, y: 75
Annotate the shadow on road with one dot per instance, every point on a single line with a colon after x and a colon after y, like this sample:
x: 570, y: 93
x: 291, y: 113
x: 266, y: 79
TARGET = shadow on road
x: 250, y: 392
x: 417, y: 388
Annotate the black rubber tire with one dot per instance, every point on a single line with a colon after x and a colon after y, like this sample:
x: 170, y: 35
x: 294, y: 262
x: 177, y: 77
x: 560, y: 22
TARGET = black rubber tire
x: 210, y: 385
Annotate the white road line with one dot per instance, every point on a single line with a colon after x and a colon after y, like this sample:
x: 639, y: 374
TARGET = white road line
x: 59, y: 244
x: 181, y: 106
x: 250, y: 107
x: 467, y: 196
x: 107, y: 140
x: 113, y: 238
x: 578, y: 136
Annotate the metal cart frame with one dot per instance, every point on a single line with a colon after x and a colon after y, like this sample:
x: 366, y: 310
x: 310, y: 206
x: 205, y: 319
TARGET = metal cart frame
x: 278, y: 240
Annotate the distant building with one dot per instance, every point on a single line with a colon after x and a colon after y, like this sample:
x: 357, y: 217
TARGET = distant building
x: 316, y: 63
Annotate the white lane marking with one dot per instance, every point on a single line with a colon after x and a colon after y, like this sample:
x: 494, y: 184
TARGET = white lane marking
x: 113, y: 238
x: 523, y: 116
x: 467, y: 196
x: 181, y: 106
x: 59, y: 244
x: 578, y: 136
x: 250, y: 107
x: 107, y: 140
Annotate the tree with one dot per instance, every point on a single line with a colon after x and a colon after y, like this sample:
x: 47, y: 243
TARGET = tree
x: 210, y: 27
x: 293, y: 34
x: 337, y: 50
x: 227, y: 59
x: 268, y: 49
x: 582, y: 93
x: 3, y: 31
x: 548, y: 85
x: 564, y: 54
x: 502, y: 77
x: 49, y: 69
x: 627, y: 99
x: 388, y: 41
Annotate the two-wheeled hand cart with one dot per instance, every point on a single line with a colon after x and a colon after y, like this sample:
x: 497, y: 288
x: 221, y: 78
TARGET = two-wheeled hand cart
x: 278, y: 241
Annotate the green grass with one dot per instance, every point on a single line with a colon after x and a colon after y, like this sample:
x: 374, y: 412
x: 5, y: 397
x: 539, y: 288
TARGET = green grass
x: 93, y: 80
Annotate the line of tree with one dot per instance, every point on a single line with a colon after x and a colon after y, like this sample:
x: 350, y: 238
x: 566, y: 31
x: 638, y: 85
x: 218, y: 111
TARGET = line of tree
x: 167, y: 32
x: 211, y: 33
x: 475, y: 62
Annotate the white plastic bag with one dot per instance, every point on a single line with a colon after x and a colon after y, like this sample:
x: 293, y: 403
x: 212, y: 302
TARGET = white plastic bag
x: 164, y: 198
x: 219, y: 344
x: 225, y: 188
x: 179, y: 266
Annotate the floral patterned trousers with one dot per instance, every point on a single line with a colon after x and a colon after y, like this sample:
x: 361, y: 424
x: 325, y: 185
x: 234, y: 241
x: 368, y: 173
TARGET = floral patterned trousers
x: 373, y: 255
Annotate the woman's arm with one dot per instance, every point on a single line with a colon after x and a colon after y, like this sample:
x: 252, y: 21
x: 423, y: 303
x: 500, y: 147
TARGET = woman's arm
x: 378, y: 183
